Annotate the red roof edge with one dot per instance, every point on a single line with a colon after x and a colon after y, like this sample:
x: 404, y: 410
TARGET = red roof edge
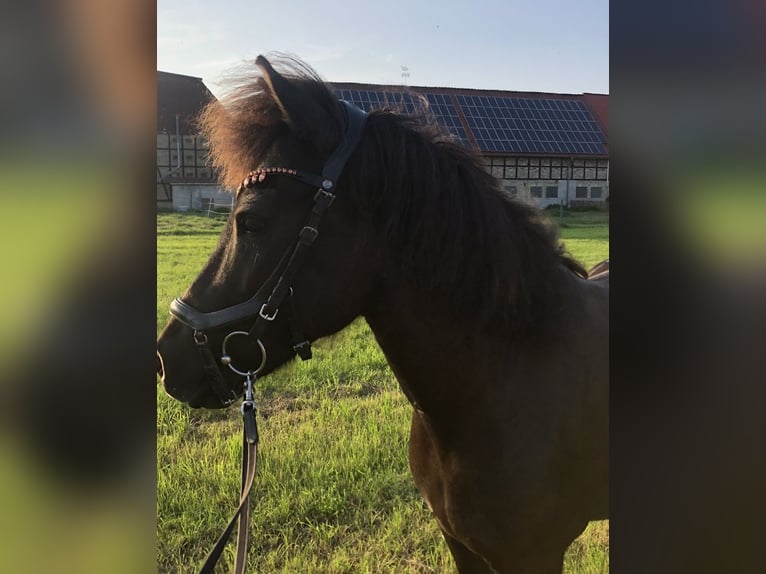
x: 599, y: 107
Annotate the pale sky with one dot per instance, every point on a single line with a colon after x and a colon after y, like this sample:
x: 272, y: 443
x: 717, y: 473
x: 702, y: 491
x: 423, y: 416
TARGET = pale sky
x: 541, y: 45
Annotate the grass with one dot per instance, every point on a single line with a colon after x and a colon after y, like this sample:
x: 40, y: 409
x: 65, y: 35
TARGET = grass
x: 333, y: 492
x: 585, y: 235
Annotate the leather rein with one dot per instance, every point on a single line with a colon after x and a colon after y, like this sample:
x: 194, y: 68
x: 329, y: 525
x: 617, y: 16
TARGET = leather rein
x: 274, y: 295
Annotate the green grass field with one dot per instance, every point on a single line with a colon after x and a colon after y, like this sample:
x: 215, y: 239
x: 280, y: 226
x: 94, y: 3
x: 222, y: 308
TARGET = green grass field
x: 333, y: 492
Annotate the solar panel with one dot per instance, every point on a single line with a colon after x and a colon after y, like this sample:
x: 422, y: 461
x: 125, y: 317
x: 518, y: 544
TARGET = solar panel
x: 372, y: 100
x: 498, y: 123
x: 439, y: 105
x: 532, y: 125
x: 446, y: 115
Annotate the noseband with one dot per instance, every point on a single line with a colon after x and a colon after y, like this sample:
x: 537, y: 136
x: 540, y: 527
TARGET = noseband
x: 277, y: 289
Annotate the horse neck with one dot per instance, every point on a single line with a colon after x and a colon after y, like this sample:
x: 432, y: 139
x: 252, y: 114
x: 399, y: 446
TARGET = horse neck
x: 444, y: 363
x: 440, y: 360
x: 428, y: 361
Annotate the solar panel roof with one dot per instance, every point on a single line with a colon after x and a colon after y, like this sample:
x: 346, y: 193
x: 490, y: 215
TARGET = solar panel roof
x: 499, y: 123
x: 439, y: 105
x: 536, y: 125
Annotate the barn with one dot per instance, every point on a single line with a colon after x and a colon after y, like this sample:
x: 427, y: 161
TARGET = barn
x: 185, y: 180
x: 546, y: 148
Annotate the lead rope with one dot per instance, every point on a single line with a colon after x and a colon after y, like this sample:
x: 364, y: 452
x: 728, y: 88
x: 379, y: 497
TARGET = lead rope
x: 249, y: 464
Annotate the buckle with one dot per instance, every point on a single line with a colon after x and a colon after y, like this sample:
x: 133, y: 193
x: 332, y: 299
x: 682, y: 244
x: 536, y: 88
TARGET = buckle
x: 200, y: 338
x: 262, y: 313
x: 308, y: 235
x: 325, y: 196
x: 303, y: 349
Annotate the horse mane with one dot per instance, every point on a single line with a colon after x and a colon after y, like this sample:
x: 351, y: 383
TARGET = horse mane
x: 446, y: 225
x: 242, y: 125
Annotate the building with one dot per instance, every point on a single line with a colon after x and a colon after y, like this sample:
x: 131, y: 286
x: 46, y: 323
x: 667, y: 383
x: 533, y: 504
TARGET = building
x: 546, y: 148
x: 185, y: 180
x: 550, y: 149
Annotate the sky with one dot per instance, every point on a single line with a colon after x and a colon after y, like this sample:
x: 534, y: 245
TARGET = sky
x: 559, y: 46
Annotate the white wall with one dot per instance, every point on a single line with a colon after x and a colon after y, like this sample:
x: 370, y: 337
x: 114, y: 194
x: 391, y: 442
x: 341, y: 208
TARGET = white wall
x: 524, y: 190
x: 190, y: 196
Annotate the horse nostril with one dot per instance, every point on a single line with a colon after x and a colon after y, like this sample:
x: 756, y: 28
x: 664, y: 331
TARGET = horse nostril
x: 160, y: 371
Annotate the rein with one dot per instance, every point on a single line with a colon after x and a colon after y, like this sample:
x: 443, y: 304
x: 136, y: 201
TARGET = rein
x: 274, y: 295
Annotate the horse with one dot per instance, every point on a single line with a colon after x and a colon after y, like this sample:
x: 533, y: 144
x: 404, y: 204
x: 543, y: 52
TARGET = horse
x: 496, y: 336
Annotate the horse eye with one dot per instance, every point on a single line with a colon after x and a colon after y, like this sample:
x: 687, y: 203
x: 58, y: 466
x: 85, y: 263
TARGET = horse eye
x: 252, y: 224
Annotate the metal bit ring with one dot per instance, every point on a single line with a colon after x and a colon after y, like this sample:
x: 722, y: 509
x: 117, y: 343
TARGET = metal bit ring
x: 226, y: 359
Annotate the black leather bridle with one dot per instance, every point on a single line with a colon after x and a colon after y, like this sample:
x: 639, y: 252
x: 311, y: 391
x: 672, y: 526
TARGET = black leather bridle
x: 273, y: 295
x: 265, y: 304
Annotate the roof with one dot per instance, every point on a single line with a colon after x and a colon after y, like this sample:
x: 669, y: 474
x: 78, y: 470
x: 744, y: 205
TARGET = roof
x: 599, y: 105
x: 180, y: 95
x: 493, y: 122
x: 500, y: 122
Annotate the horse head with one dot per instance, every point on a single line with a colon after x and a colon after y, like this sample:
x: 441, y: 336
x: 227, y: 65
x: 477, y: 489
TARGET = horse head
x: 263, y: 295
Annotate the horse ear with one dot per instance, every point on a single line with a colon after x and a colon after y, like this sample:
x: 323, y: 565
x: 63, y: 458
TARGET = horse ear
x: 306, y: 118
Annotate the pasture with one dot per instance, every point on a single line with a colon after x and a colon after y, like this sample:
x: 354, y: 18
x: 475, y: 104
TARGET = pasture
x: 333, y: 492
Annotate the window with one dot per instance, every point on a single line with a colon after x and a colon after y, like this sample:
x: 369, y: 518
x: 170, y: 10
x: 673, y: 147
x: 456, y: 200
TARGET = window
x: 581, y: 192
x: 603, y: 169
x: 595, y: 192
x: 532, y: 168
x: 536, y: 191
x: 551, y: 191
x: 578, y: 169
x: 193, y: 158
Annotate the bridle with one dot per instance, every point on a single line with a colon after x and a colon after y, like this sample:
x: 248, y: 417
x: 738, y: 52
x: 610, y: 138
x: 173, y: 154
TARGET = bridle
x: 265, y: 304
x: 274, y: 295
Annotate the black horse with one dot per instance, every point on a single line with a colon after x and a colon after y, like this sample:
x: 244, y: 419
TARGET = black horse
x: 497, y: 338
